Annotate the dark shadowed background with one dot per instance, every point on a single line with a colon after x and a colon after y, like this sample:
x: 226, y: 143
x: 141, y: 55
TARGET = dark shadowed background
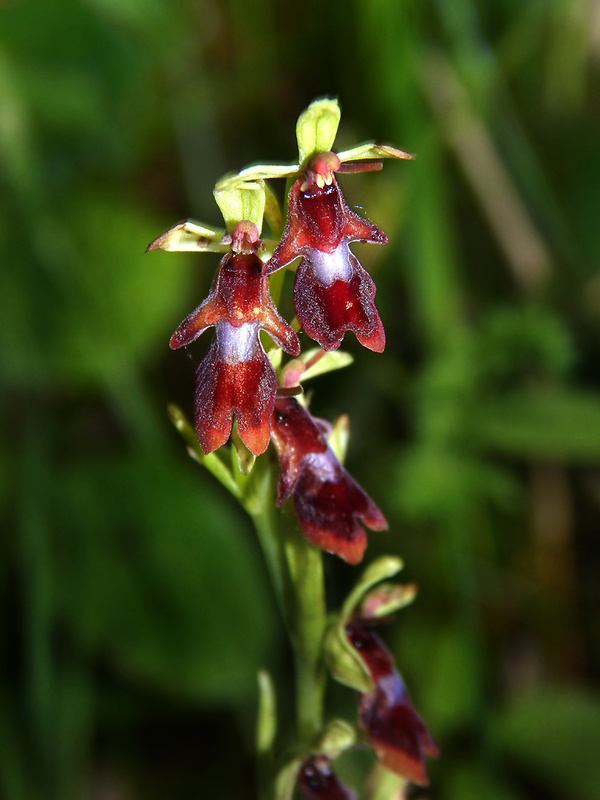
x: 134, y: 603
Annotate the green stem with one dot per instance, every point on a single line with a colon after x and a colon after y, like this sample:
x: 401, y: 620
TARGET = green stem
x: 305, y: 564
x: 261, y: 507
x: 296, y: 569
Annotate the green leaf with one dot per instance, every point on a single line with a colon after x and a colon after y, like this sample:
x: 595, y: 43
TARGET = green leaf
x: 316, y: 128
x: 245, y: 201
x: 553, y: 733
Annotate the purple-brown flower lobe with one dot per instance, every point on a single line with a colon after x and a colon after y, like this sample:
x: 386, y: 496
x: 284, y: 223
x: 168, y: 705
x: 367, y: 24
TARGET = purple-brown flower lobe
x: 330, y: 506
x: 332, y: 291
x: 396, y: 732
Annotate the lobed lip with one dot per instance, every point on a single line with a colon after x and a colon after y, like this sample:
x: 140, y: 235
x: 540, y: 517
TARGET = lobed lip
x: 333, y: 293
x: 236, y: 377
x: 330, y: 267
x: 396, y: 732
x: 236, y: 343
x: 330, y: 506
x: 317, y: 781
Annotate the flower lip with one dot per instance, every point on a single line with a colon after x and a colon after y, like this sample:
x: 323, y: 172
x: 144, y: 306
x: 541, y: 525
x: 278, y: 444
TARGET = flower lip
x: 330, y: 506
x: 236, y: 375
x: 236, y: 343
x: 334, y: 266
x: 398, y: 735
x: 332, y: 292
x: 317, y: 781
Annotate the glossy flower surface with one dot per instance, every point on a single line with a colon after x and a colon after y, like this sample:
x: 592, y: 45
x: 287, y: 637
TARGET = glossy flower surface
x: 317, y: 781
x: 236, y: 376
x: 332, y: 292
x: 330, y: 506
x: 397, y: 734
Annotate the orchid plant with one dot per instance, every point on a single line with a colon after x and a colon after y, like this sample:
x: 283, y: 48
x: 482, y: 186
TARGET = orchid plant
x: 247, y: 394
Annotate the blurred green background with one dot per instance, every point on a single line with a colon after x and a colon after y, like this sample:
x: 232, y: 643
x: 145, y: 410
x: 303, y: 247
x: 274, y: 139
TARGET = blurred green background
x: 135, y: 605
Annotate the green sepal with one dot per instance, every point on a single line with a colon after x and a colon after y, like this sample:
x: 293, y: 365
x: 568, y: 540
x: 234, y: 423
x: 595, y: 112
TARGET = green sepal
x: 337, y: 737
x: 244, y: 201
x: 317, y: 127
x: 212, y: 461
x: 190, y: 236
x: 373, y: 151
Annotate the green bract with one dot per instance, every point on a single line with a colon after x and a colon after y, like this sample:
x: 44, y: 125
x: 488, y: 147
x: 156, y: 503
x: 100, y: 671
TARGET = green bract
x: 345, y: 665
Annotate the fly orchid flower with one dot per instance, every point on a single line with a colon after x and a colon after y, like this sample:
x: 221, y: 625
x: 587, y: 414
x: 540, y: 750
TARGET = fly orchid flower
x: 236, y: 376
x: 397, y: 734
x: 317, y: 781
x: 329, y: 504
x: 333, y: 293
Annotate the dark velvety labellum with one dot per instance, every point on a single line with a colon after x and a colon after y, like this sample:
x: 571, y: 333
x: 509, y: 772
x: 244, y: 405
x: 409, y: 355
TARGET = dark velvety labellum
x: 330, y: 506
x: 236, y: 376
x: 397, y: 734
x: 332, y: 292
x: 327, y: 311
x: 317, y: 781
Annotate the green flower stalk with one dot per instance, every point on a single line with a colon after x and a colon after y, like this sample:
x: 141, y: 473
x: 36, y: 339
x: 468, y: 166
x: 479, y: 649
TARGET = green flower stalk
x: 253, y: 431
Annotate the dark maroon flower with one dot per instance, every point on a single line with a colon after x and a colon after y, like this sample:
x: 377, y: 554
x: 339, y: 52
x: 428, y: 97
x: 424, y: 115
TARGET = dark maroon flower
x: 332, y: 292
x: 330, y: 505
x: 317, y: 781
x: 236, y: 376
x: 397, y: 734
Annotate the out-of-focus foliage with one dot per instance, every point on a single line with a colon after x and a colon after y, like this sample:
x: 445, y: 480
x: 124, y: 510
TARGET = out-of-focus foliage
x: 135, y: 605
